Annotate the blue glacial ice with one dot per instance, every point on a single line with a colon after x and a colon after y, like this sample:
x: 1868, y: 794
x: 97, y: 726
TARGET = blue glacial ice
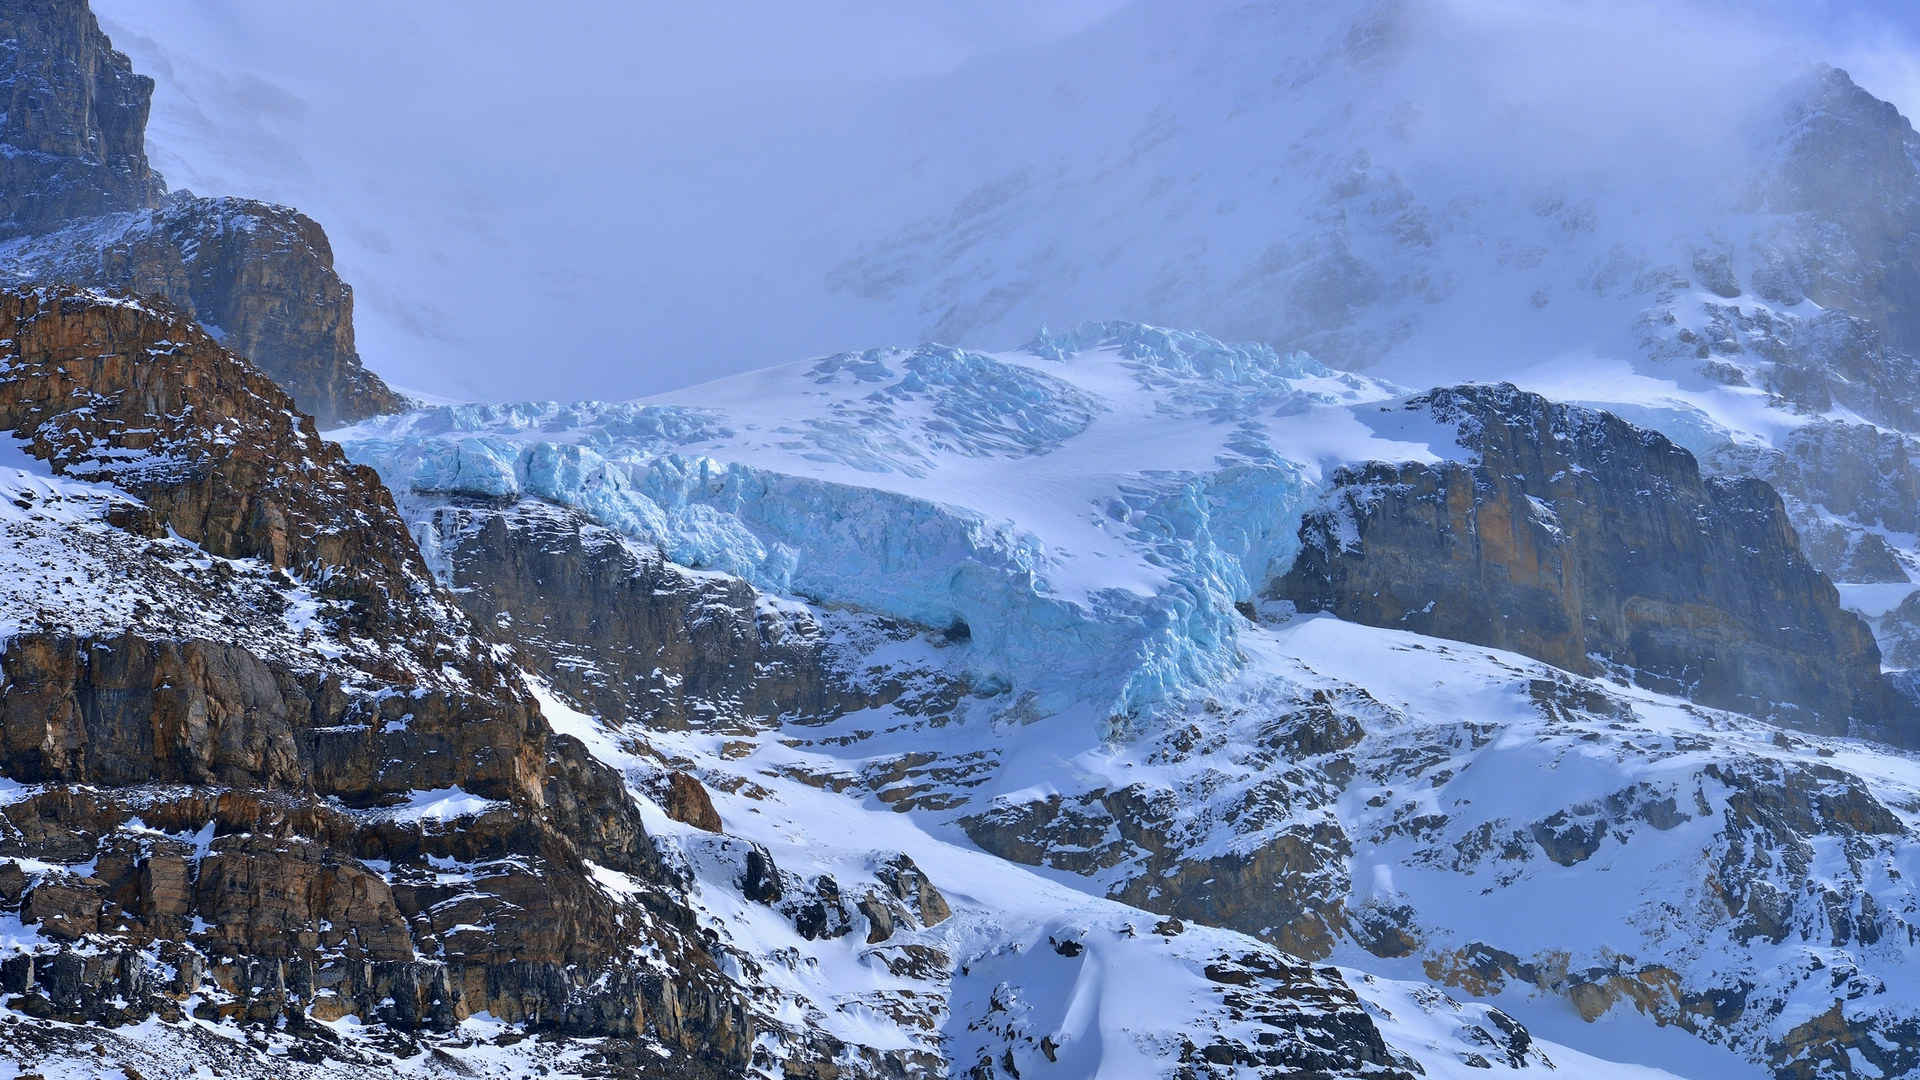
x: 844, y: 481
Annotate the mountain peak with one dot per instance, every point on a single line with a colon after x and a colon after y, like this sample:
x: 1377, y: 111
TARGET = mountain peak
x: 79, y: 204
x: 75, y: 121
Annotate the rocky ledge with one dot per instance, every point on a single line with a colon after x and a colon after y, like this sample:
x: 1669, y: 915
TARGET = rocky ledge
x: 1574, y: 537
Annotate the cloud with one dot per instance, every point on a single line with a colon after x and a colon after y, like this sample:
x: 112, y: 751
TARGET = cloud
x: 611, y: 199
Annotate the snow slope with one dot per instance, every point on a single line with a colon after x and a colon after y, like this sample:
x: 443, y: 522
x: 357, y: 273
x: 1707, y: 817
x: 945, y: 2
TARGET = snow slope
x: 1083, y: 527
x: 1118, y: 1001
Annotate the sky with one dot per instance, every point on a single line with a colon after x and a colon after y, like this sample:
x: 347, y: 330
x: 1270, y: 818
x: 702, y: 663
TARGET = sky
x: 573, y: 205
x: 618, y: 198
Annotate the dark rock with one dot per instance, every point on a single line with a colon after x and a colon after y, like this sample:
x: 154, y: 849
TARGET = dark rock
x: 627, y: 633
x: 13, y: 883
x: 1581, y: 540
x: 819, y: 913
x: 65, y: 906
x: 879, y: 919
x: 761, y: 883
x: 904, y: 878
x: 74, y: 122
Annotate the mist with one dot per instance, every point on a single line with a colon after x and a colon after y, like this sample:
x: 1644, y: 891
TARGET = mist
x: 614, y: 200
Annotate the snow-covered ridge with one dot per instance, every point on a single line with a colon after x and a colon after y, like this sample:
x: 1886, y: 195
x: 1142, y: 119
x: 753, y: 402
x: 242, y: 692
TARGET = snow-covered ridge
x: 1090, y: 507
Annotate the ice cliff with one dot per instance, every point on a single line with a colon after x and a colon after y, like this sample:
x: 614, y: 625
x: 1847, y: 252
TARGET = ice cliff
x: 1090, y: 507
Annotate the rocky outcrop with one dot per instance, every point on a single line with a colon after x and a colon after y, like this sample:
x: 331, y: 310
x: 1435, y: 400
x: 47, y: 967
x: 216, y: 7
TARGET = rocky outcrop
x: 358, y: 811
x: 74, y: 120
x: 688, y: 803
x: 632, y: 635
x: 1847, y: 166
x: 81, y: 207
x: 131, y: 394
x: 1289, y: 887
x: 1576, y: 538
x: 259, y: 277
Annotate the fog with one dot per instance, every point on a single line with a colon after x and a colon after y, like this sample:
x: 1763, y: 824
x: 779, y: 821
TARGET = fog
x: 614, y: 199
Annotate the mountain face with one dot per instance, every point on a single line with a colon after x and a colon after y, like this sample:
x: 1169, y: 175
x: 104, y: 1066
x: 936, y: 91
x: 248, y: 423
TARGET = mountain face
x: 1129, y: 703
x: 1577, y: 539
x: 266, y: 775
x: 84, y: 208
x: 76, y: 121
x: 1154, y: 513
x: 229, y: 751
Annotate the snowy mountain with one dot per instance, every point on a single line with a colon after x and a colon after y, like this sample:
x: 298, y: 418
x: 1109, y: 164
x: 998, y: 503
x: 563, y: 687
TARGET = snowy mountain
x: 273, y: 794
x: 1043, y: 603
x: 1497, y: 664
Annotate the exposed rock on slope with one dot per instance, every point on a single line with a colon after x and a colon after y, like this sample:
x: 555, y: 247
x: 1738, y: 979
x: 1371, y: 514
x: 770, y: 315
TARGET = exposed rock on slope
x: 1522, y: 829
x: 298, y: 785
x: 688, y: 656
x: 85, y: 209
x: 1848, y: 164
x: 1581, y: 540
x: 259, y: 277
x: 74, y: 121
x: 262, y: 773
x: 620, y: 629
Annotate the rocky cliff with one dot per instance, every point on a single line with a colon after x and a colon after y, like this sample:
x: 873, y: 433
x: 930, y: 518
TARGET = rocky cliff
x: 1572, y: 536
x: 628, y: 633
x: 84, y: 208
x: 74, y: 123
x: 269, y: 772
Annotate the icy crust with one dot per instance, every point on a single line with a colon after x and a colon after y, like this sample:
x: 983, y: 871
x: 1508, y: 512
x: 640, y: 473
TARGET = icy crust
x: 1090, y: 508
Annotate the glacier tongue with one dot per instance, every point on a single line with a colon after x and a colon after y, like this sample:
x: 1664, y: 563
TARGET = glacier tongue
x: 1085, y: 512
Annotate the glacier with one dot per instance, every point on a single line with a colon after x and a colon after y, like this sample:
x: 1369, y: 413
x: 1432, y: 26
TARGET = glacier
x: 1085, y: 512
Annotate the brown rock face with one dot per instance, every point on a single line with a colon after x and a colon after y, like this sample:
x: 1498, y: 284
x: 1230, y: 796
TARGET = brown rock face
x: 1579, y: 539
x: 627, y: 632
x: 65, y: 907
x: 130, y: 393
x: 76, y: 189
x: 689, y: 803
x: 260, y: 277
x: 358, y: 811
x: 76, y: 116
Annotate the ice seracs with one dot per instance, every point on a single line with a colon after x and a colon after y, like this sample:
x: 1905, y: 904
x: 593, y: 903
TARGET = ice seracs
x: 1091, y: 507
